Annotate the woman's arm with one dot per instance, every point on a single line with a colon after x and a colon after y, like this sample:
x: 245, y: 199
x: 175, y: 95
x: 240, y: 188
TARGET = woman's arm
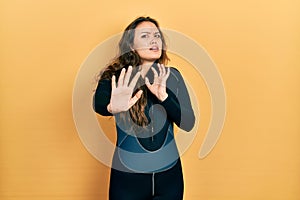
x: 113, y: 96
x: 102, y: 97
x: 178, y: 104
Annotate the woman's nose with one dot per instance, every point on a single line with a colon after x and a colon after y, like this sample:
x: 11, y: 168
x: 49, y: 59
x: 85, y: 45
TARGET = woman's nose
x: 153, y: 40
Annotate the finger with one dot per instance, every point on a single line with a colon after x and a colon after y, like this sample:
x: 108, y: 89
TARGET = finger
x: 139, y: 94
x: 134, y: 80
x: 127, y: 76
x: 168, y: 72
x: 135, y: 98
x: 163, y: 69
x: 113, y: 82
x: 121, y: 78
x: 154, y: 72
x: 159, y: 69
x: 147, y: 82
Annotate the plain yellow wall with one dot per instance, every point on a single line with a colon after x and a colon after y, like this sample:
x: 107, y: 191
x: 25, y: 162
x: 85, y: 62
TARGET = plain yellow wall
x: 255, y: 44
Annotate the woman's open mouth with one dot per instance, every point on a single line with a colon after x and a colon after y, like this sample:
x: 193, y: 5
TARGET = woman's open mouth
x: 154, y: 48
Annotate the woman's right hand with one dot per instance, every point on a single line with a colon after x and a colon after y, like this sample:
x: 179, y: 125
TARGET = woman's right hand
x: 121, y: 95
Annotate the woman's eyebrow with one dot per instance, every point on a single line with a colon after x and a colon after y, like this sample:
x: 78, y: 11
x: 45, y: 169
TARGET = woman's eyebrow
x: 145, y: 32
x: 149, y: 32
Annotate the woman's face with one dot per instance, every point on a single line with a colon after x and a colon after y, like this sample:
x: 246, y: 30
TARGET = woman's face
x: 147, y: 42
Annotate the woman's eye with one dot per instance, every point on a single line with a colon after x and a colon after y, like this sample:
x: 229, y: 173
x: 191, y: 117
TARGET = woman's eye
x: 144, y: 36
x: 157, y: 36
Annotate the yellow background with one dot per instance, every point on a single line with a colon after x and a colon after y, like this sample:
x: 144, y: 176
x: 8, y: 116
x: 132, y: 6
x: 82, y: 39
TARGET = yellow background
x: 255, y: 44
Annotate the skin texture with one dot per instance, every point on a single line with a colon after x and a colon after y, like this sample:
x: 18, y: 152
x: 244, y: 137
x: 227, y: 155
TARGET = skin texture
x: 147, y: 42
x: 121, y: 99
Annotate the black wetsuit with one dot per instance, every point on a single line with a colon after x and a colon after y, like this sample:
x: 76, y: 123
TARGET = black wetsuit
x: 146, y: 165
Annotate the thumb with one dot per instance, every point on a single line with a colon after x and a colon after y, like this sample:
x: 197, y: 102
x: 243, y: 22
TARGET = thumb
x: 135, y: 98
x: 147, y: 82
x: 138, y: 94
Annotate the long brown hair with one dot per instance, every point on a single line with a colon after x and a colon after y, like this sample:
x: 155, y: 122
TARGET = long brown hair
x: 126, y: 57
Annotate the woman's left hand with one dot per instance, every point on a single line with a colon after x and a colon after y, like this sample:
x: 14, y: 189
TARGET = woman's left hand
x: 158, y: 88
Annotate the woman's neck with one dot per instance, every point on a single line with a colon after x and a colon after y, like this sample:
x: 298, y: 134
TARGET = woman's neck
x: 144, y: 68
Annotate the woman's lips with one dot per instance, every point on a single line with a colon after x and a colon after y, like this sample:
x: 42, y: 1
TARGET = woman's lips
x: 154, y: 48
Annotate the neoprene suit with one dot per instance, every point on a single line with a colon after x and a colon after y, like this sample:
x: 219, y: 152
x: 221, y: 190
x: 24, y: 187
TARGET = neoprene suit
x: 146, y: 164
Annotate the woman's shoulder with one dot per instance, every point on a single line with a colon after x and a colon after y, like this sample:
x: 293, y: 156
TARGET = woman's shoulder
x: 175, y: 73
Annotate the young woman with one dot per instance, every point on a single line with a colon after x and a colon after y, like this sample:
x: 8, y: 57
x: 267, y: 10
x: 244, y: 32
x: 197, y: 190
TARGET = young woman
x: 146, y: 98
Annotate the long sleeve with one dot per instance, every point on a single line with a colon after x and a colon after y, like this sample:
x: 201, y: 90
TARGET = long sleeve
x: 102, y: 97
x: 178, y: 104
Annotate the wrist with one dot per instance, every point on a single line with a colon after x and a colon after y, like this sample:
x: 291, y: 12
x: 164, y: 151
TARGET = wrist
x: 109, y: 108
x: 163, y: 97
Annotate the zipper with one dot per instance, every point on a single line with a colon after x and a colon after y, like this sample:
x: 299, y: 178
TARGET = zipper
x: 153, y: 184
x: 152, y: 124
x: 152, y: 133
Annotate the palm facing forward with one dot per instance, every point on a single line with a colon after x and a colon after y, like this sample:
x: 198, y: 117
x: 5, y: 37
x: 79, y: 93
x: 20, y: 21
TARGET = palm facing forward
x: 158, y: 88
x: 121, y: 94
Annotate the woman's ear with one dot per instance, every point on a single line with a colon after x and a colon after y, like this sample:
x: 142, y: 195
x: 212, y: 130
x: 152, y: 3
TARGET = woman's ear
x: 131, y: 48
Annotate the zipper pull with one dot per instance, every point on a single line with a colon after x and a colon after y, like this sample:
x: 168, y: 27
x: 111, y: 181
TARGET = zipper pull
x: 152, y: 134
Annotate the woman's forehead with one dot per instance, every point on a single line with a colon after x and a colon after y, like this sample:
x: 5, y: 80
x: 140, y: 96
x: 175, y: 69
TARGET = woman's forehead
x: 146, y: 27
